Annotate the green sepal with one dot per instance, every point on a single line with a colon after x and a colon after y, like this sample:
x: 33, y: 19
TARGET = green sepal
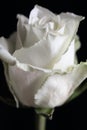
x: 47, y: 112
x: 78, y: 91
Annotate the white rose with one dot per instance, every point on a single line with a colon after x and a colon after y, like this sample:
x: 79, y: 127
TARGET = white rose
x: 40, y: 58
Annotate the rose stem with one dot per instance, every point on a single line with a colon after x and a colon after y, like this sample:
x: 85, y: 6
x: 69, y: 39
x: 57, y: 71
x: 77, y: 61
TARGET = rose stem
x: 40, y: 122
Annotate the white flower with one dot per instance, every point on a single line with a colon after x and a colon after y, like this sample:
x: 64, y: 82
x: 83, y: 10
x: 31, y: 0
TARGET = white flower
x: 40, y: 58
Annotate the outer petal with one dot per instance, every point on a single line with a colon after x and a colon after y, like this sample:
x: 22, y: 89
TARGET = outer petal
x: 7, y: 47
x: 24, y: 83
x: 69, y: 19
x: 58, y: 88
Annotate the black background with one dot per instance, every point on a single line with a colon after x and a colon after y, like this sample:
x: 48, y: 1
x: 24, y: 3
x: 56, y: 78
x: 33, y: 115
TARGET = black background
x: 69, y: 116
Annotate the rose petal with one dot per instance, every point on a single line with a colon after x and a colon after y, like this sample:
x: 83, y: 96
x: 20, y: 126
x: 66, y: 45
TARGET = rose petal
x: 7, y: 47
x: 21, y: 32
x: 38, y: 12
x: 50, y: 48
x: 25, y: 83
x: 7, y: 57
x: 67, y: 60
x: 42, y: 53
x: 70, y: 22
x: 58, y: 88
x: 27, y: 35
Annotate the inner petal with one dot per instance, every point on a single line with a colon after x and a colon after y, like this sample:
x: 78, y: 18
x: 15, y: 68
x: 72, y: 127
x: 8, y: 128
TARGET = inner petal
x: 67, y: 60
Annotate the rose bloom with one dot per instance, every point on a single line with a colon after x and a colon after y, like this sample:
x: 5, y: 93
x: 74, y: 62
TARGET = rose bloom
x: 40, y: 58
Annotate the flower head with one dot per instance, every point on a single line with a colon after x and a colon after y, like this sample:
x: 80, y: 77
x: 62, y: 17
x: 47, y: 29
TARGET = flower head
x: 40, y: 58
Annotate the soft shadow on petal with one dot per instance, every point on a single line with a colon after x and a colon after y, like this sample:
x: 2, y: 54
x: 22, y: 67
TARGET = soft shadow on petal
x: 58, y: 88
